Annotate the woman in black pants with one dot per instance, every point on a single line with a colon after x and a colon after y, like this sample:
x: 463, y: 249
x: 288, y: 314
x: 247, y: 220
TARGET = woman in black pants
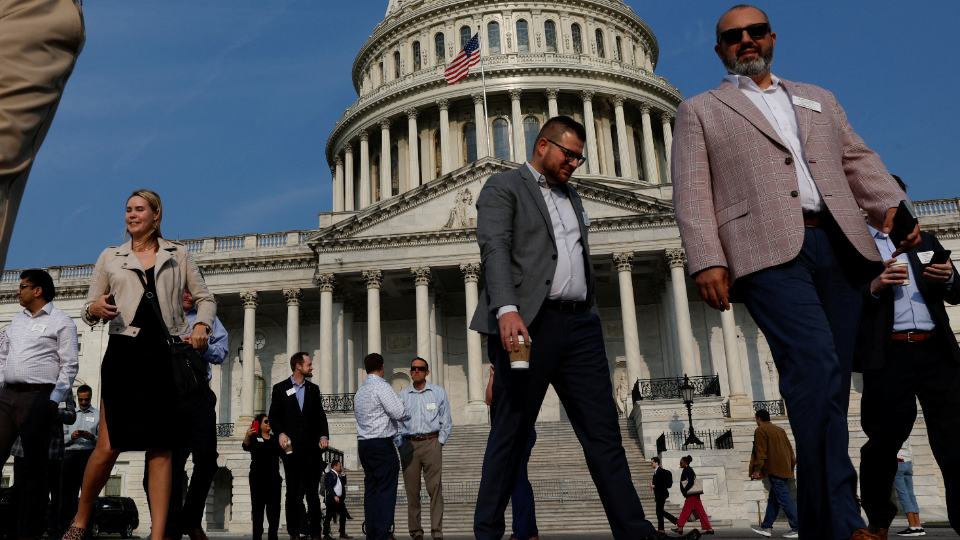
x: 265, y: 481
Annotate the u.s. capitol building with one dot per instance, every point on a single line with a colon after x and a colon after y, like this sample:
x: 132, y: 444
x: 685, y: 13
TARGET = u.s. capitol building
x: 395, y: 268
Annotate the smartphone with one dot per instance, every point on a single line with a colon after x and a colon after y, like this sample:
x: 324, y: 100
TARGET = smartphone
x: 112, y: 301
x: 940, y: 257
x: 256, y: 426
x: 904, y: 222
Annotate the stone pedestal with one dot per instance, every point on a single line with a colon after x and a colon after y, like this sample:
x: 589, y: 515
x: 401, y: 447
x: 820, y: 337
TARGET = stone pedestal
x: 654, y: 418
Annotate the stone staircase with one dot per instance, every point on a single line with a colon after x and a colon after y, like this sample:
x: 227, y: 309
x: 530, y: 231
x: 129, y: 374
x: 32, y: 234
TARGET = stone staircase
x: 567, y: 501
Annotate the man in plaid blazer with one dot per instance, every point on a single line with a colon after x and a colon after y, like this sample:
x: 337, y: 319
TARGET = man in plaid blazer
x: 769, y: 182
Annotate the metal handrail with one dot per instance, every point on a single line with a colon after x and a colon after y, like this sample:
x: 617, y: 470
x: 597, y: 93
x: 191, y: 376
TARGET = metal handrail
x: 669, y: 388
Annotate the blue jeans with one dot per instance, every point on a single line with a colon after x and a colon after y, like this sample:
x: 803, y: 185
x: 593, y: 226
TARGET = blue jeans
x: 903, y: 482
x: 779, y: 499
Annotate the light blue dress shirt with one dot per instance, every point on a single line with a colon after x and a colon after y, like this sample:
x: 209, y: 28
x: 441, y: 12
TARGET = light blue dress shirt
x: 300, y: 390
x: 429, y: 412
x: 378, y: 410
x: 909, y: 310
x: 217, y: 346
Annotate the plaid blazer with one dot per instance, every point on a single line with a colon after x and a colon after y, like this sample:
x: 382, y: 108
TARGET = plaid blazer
x: 735, y: 188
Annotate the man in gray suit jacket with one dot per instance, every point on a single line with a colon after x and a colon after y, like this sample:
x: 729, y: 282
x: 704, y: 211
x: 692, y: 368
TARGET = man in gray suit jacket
x: 532, y: 232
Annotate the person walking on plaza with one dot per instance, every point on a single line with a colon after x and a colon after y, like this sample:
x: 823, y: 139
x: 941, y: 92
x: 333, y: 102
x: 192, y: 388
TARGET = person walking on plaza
x: 378, y: 411
x: 522, y: 501
x: 532, y: 224
x: 770, y: 181
x: 296, y: 413
x: 774, y: 460
x: 424, y: 435
x: 907, y: 352
x: 198, y: 416
x: 661, y: 484
x: 38, y: 362
x: 335, y: 490
x: 265, y: 480
x: 691, y: 492
x: 79, y: 439
x: 40, y: 41
x: 903, y: 483
x: 138, y: 289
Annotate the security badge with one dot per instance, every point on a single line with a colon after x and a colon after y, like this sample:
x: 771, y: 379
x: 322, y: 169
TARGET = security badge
x: 431, y: 406
x: 925, y: 256
x: 39, y: 327
x: 807, y: 103
x: 291, y: 391
x: 586, y: 220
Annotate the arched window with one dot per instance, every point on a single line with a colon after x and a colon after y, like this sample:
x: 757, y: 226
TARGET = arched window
x: 615, y: 143
x: 437, y: 156
x: 470, y: 142
x: 550, y: 33
x: 619, y: 49
x: 600, y: 52
x: 395, y: 170
x: 501, y: 139
x: 637, y: 150
x: 577, y: 39
x: 416, y: 56
x: 396, y: 65
x: 531, y: 127
x: 465, y: 36
x: 523, y: 38
x: 493, y: 38
x: 439, y: 48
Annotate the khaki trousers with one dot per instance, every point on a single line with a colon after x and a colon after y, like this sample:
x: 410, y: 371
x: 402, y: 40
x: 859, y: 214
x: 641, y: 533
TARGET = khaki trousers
x: 40, y: 41
x: 426, y: 456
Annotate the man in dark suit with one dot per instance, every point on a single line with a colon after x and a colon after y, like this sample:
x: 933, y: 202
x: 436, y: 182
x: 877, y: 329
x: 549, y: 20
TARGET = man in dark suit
x: 907, y: 351
x: 335, y: 489
x: 532, y: 232
x: 296, y: 413
x: 661, y: 484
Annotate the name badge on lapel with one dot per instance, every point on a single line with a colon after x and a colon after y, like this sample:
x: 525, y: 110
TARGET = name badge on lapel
x: 88, y: 419
x: 807, y: 103
x: 925, y: 256
x: 39, y: 327
x: 291, y: 391
x: 431, y: 406
x: 586, y: 219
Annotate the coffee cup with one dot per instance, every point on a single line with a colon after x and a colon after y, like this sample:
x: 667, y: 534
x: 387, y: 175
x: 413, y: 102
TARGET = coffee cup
x: 520, y: 359
x: 289, y: 448
x: 905, y: 264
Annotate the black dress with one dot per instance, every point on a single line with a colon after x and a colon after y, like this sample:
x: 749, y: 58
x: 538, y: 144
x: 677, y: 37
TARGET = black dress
x: 137, y: 384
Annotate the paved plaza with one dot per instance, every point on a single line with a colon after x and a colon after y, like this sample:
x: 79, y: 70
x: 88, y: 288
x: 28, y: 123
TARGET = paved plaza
x: 738, y: 533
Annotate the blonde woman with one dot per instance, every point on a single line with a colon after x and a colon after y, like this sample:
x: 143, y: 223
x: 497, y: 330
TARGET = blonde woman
x: 137, y: 382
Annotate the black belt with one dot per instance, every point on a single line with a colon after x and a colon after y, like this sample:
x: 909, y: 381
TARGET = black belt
x: 567, y: 306
x: 24, y: 387
x: 815, y: 219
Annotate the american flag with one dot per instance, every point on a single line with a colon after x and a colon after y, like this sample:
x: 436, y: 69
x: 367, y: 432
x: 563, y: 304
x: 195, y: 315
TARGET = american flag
x: 469, y: 56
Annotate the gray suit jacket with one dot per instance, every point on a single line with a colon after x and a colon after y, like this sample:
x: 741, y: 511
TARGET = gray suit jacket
x: 517, y: 247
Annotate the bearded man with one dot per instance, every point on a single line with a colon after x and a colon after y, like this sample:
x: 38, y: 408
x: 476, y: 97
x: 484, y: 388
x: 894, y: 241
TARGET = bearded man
x: 769, y: 182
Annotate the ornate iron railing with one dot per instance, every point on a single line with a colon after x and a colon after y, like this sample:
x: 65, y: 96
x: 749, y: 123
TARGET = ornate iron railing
x: 725, y: 409
x: 338, y: 403
x: 332, y: 454
x: 669, y: 388
x: 712, y: 440
x: 774, y: 407
x: 224, y: 430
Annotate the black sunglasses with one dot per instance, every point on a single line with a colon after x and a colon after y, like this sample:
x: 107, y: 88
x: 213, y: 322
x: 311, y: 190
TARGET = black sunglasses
x: 570, y: 154
x: 735, y: 35
x: 418, y: 368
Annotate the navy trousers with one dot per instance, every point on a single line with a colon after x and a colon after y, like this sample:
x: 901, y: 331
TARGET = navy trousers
x: 567, y: 352
x: 524, y: 507
x: 381, y: 470
x: 809, y: 312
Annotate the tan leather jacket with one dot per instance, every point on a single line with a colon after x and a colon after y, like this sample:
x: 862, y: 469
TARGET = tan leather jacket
x: 116, y: 274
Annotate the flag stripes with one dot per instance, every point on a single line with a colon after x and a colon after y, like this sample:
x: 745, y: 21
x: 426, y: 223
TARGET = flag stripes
x: 460, y: 67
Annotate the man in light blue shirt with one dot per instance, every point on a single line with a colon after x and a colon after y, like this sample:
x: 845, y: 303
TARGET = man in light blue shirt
x: 424, y: 435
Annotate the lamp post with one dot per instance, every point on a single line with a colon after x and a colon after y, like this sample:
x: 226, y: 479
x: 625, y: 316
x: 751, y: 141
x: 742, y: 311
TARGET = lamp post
x: 686, y: 391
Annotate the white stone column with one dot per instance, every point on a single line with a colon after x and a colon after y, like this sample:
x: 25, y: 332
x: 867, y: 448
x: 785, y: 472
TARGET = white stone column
x: 293, y: 297
x: 667, y: 142
x: 444, y: 105
x: 441, y: 331
x: 337, y: 183
x: 516, y: 117
x: 413, y: 147
x: 364, y: 170
x: 385, y: 184
x: 481, y: 122
x: 476, y: 408
x: 552, y: 110
x: 350, y: 346
x: 628, y: 310
x: 248, y: 387
x: 348, y: 202
x: 327, y: 283
x: 593, y: 157
x: 422, y: 280
x: 740, y: 405
x: 623, y: 145
x: 649, y: 156
x: 338, y: 349
x: 373, y: 279
x: 436, y: 373
x: 676, y: 259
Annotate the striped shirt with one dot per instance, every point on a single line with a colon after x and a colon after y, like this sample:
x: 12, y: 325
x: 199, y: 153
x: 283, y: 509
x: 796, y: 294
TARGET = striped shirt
x: 40, y: 349
x: 65, y: 416
x: 377, y: 409
x: 429, y: 412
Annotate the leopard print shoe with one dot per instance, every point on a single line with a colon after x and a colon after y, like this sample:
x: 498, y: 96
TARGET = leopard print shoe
x: 73, y: 533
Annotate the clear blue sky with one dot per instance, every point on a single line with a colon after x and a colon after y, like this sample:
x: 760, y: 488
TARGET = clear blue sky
x: 224, y: 106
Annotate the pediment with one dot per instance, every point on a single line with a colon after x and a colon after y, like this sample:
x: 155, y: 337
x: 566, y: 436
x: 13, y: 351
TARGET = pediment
x: 444, y: 210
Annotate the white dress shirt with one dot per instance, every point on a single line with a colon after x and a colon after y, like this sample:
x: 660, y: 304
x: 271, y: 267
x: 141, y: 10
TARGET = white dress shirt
x: 338, y: 487
x: 377, y: 409
x: 776, y: 105
x: 569, y: 280
x: 40, y: 349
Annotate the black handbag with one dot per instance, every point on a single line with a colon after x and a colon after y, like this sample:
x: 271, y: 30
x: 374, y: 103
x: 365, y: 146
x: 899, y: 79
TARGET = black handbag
x: 189, y: 370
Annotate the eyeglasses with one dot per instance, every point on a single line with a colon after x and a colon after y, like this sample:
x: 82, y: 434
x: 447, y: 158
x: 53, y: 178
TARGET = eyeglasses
x: 22, y: 287
x: 570, y: 154
x: 418, y: 368
x: 735, y: 35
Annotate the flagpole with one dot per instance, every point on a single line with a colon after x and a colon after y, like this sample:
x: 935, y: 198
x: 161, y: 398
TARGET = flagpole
x: 483, y: 80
